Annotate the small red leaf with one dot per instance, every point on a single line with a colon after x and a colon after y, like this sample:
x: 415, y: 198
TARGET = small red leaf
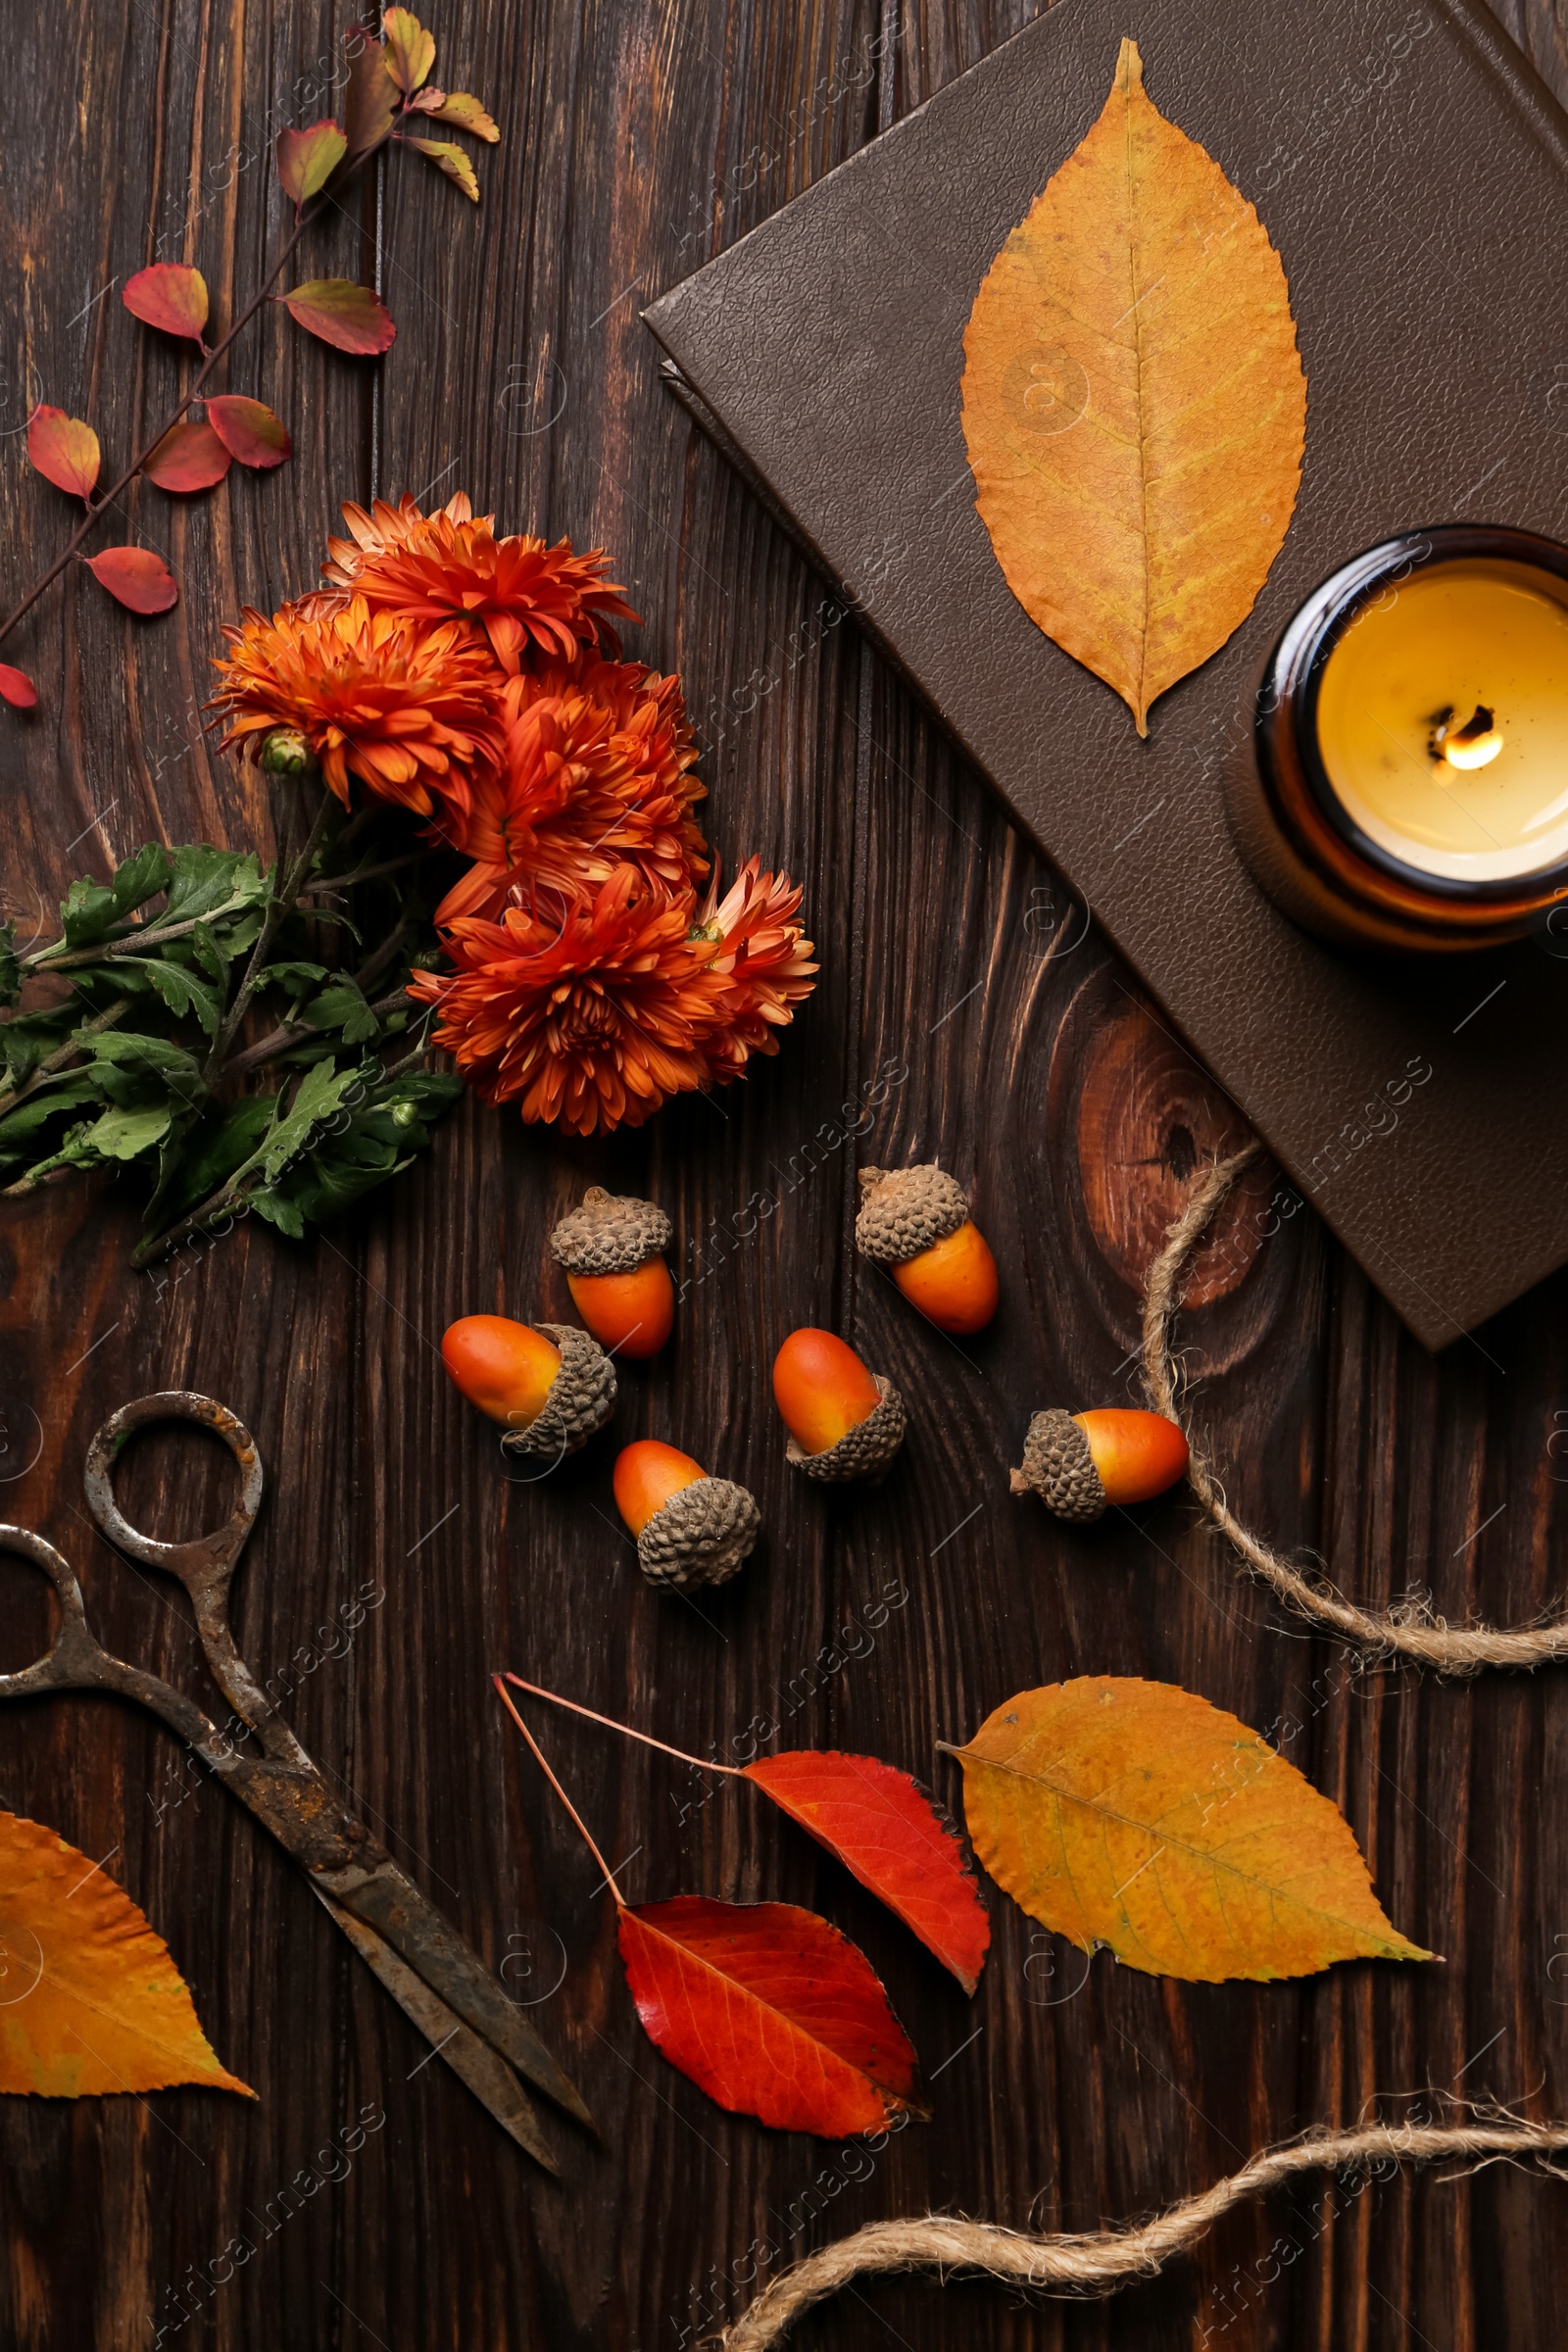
x: 884, y: 1829
x: 135, y: 577
x: 189, y: 457
x: 249, y: 430
x: 308, y: 159
x: 770, y: 2011
x: 448, y: 157
x: 171, y: 296
x: 341, y: 313
x: 63, y: 450
x: 410, y: 49
x: 17, y: 688
x: 371, y: 98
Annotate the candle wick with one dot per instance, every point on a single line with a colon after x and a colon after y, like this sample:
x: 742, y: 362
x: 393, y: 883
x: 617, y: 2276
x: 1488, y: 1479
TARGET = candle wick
x: 1473, y: 744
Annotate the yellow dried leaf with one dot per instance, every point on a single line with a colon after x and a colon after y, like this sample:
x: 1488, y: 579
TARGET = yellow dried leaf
x: 90, y: 2000
x: 1136, y: 1815
x: 1133, y: 403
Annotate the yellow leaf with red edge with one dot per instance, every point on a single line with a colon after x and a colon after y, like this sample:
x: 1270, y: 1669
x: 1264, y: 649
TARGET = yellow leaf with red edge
x: 410, y: 49
x: 1134, y: 404
x: 90, y: 2000
x: 350, y: 317
x: 307, y: 159
x: 1137, y: 1816
x: 458, y: 107
x: 450, y: 158
x: 63, y: 450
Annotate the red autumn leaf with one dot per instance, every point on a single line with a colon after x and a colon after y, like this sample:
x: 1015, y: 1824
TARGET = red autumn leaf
x: 460, y: 107
x: 410, y: 49
x: 189, y: 457
x: 888, y: 1834
x: 17, y: 688
x: 770, y: 2011
x: 171, y: 296
x: 249, y: 430
x: 63, y: 450
x: 308, y: 159
x: 371, y: 98
x: 135, y: 577
x: 341, y: 313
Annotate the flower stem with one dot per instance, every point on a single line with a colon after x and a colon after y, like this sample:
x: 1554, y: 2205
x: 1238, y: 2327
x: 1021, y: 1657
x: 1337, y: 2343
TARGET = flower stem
x: 281, y: 905
x: 702, y: 1764
x: 582, y: 1827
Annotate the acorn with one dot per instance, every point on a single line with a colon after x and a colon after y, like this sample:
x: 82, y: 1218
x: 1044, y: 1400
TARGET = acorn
x: 917, y: 1222
x: 691, y: 1528
x: 551, y: 1387
x: 844, y: 1421
x: 1079, y: 1463
x: 611, y: 1246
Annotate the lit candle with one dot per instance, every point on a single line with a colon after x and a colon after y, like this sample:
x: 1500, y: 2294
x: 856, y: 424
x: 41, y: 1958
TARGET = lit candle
x: 1405, y: 783
x: 1442, y: 721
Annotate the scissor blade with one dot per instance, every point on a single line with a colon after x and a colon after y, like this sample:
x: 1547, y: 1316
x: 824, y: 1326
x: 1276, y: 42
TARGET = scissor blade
x: 471, y: 2057
x: 389, y: 1901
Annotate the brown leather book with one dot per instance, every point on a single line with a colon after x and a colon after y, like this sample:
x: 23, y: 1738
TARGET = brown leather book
x: 1411, y: 169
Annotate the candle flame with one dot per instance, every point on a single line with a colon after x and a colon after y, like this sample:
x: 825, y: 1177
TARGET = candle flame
x: 1474, y: 744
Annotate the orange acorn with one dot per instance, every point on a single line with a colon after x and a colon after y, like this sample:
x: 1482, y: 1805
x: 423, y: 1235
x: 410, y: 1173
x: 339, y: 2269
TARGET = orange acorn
x: 1079, y: 1463
x: 690, y: 1529
x: 550, y: 1388
x: 844, y: 1421
x: 611, y: 1246
x: 917, y: 1222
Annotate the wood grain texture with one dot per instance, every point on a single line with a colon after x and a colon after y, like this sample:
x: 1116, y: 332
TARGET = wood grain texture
x: 967, y: 1003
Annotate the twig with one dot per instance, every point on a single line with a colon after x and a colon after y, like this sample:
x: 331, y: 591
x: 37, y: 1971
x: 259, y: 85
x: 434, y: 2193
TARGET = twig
x: 582, y: 1827
x: 702, y: 1763
x: 98, y: 507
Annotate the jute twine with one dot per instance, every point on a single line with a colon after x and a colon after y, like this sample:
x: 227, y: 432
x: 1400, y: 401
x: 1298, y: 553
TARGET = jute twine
x: 1412, y: 1630
x: 1098, y: 2262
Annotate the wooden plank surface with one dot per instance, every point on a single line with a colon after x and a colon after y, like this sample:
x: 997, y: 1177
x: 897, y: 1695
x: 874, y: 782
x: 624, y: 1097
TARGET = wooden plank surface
x: 965, y: 1010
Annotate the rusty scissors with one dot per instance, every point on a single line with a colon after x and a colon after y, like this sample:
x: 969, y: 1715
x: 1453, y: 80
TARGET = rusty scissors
x: 434, y: 1976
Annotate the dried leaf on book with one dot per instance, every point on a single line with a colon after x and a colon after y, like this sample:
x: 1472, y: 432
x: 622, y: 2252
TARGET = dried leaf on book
x: 1134, y: 404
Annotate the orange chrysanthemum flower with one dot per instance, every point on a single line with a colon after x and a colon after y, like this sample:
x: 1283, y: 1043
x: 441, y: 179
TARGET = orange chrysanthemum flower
x: 763, y: 968
x: 406, y: 711
x: 528, y: 598
x: 595, y: 772
x: 384, y: 526
x: 591, y: 1022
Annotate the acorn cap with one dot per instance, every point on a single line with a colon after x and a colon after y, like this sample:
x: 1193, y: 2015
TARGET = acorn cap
x: 863, y: 1452
x: 700, y: 1536
x: 905, y: 1211
x: 1059, y: 1468
x: 578, y: 1401
x: 609, y: 1233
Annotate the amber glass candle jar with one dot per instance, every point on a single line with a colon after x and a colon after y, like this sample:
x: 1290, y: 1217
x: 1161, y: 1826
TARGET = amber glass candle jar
x: 1405, y: 783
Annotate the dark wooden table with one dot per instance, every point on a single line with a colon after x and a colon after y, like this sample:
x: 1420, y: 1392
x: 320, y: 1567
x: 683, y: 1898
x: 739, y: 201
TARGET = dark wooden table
x: 638, y: 138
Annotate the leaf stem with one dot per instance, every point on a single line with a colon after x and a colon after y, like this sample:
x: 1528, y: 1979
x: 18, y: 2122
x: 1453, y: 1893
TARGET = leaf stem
x: 11, y: 1096
x: 126, y: 943
x: 582, y: 1827
x: 96, y: 512
x: 702, y: 1764
x: 282, y: 904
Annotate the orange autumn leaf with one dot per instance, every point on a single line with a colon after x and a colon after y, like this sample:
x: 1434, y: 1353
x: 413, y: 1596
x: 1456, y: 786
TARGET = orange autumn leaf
x: 448, y: 157
x: 63, y: 450
x: 1136, y: 1815
x: 134, y: 578
x: 1134, y: 404
x: 460, y: 107
x: 410, y: 49
x: 90, y: 2000
x: 348, y: 317
x: 169, y: 297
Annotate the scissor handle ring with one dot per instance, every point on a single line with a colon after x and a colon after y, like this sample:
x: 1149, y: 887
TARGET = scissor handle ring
x: 73, y: 1657
x: 222, y: 1545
